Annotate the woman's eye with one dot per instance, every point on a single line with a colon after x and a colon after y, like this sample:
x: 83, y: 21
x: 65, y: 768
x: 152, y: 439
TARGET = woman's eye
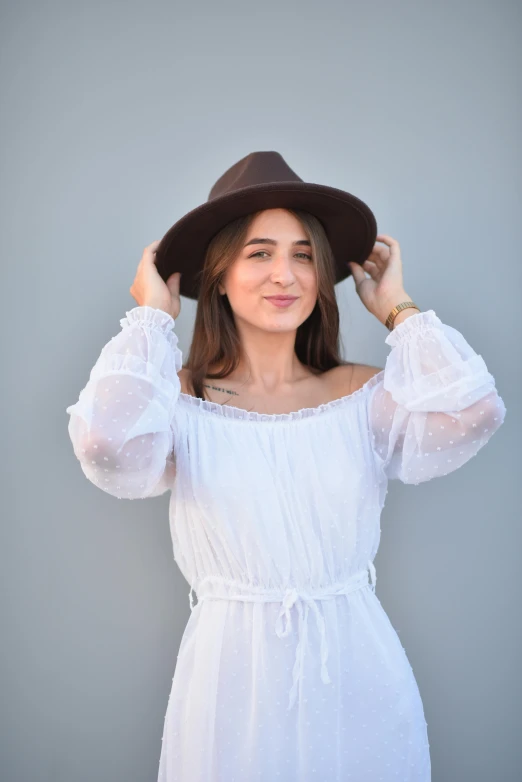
x: 264, y: 251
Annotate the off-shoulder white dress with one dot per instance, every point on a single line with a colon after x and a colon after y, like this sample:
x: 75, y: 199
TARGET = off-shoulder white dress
x: 289, y: 667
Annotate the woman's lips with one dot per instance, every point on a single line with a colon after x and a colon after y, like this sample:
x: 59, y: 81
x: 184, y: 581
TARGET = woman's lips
x: 280, y: 302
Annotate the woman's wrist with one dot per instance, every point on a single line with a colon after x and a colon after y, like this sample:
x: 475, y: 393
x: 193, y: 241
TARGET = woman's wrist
x: 403, y: 314
x: 158, y: 306
x: 394, y: 301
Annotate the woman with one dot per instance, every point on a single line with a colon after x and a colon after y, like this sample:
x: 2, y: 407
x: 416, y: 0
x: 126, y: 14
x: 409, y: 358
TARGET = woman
x: 278, y: 455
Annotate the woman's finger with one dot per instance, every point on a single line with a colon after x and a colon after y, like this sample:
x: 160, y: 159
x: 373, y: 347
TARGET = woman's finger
x: 393, y: 244
x: 150, y: 250
x: 372, y: 268
x: 357, y: 272
x: 378, y: 257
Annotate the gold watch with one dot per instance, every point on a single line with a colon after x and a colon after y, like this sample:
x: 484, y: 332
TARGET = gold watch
x: 395, y: 311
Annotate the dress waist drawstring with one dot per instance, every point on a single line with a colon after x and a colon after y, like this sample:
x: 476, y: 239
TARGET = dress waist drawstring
x: 218, y: 588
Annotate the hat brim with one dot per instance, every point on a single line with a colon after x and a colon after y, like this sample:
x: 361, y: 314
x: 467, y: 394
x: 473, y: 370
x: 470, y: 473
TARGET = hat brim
x: 349, y: 224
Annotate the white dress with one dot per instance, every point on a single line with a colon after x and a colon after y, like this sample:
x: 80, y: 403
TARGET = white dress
x: 289, y: 668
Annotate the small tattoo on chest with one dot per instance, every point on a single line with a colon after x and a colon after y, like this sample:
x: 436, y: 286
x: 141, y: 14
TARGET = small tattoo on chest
x: 217, y: 388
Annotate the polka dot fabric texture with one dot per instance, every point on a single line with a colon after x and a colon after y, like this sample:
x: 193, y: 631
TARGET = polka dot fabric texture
x: 289, y: 667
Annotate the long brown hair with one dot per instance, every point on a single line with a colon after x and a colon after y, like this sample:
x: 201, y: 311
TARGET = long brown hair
x: 216, y: 341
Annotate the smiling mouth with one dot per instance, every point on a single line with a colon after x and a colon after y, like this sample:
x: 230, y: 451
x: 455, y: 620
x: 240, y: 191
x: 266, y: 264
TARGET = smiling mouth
x: 281, y: 303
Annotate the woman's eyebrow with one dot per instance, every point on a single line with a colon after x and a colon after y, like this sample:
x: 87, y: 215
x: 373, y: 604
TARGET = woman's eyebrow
x: 273, y: 241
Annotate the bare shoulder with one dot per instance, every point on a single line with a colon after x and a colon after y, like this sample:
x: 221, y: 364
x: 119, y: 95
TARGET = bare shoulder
x: 348, y: 378
x: 185, y: 379
x: 363, y: 373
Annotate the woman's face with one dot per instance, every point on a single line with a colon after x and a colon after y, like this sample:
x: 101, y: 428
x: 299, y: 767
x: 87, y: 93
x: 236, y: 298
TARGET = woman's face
x: 275, y: 261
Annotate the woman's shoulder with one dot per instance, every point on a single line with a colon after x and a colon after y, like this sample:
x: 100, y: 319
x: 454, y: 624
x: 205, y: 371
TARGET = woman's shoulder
x: 185, y: 375
x: 348, y: 378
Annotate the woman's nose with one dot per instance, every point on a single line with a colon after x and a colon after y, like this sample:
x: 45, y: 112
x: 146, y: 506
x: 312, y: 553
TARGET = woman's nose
x: 282, y: 267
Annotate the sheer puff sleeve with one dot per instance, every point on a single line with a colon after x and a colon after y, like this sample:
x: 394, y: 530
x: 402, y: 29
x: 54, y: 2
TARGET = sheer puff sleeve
x: 120, y: 427
x: 434, y: 405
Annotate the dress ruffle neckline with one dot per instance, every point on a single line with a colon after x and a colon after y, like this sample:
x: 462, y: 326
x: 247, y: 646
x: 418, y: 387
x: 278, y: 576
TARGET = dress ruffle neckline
x: 240, y: 414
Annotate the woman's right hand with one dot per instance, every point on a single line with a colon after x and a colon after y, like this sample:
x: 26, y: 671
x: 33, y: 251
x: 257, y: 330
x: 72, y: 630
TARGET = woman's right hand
x: 149, y: 288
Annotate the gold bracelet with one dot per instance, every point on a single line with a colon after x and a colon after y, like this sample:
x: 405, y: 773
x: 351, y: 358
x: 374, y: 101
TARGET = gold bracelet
x: 395, y: 311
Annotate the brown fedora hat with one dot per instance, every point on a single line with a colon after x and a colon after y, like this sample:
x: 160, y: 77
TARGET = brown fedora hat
x: 263, y: 180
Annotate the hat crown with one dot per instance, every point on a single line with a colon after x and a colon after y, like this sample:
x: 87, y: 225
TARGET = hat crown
x: 257, y: 168
x: 257, y: 182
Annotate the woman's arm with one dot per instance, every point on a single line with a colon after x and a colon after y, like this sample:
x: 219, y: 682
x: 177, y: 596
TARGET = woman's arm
x: 435, y: 404
x: 120, y: 427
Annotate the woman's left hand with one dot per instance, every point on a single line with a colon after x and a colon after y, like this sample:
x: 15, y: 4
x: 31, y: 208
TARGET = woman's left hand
x: 384, y: 288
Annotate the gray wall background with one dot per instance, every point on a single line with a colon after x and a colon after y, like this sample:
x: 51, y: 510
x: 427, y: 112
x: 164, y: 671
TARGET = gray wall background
x: 117, y: 119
